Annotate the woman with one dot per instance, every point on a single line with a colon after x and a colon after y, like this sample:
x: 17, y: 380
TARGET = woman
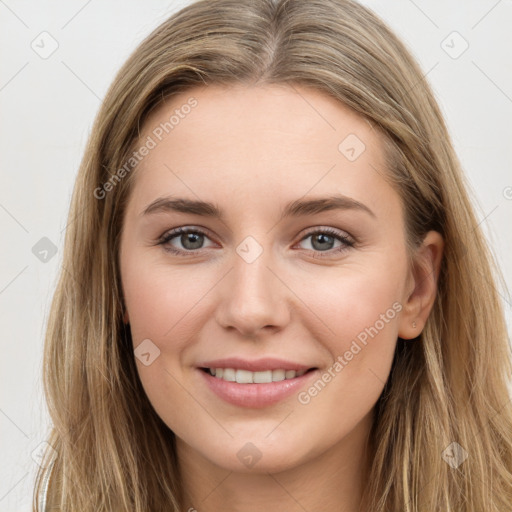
x: 206, y: 350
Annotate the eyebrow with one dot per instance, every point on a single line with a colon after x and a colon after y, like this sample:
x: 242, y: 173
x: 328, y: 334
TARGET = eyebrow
x: 297, y: 208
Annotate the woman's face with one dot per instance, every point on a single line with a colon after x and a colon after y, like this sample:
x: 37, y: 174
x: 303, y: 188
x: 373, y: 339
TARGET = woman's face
x: 294, y: 267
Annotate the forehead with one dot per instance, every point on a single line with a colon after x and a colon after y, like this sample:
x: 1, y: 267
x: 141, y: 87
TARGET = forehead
x: 259, y: 142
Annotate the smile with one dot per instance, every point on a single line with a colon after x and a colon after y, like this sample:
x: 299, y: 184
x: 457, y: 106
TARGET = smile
x: 255, y: 384
x: 248, y: 377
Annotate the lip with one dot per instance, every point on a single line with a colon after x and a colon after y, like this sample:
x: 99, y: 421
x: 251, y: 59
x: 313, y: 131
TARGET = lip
x: 255, y: 396
x: 257, y: 365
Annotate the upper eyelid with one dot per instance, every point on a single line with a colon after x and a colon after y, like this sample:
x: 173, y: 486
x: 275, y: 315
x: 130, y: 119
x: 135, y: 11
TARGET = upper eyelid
x: 171, y: 233
x: 321, y: 229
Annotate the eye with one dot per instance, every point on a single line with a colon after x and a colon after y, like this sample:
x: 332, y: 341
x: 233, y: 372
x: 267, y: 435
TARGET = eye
x: 191, y: 239
x: 322, y: 241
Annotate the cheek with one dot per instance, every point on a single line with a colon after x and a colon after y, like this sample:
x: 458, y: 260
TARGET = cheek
x: 353, y: 302
x: 360, y: 311
x: 160, y: 300
x: 160, y: 303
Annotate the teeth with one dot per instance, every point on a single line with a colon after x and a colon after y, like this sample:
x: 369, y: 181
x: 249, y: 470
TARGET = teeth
x: 262, y: 377
x: 244, y: 377
x: 247, y: 377
x: 229, y: 374
x: 278, y: 375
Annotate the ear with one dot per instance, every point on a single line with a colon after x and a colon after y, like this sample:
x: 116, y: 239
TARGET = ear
x: 421, y: 286
x: 126, y: 318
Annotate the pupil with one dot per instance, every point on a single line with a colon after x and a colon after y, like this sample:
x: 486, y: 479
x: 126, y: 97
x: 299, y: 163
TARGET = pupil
x: 189, y: 238
x: 323, y: 239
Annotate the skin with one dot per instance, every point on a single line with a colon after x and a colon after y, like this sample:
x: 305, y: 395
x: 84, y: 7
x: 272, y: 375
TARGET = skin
x: 251, y: 150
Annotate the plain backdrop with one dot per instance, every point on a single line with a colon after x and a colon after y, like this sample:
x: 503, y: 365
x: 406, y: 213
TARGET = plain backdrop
x: 48, y: 103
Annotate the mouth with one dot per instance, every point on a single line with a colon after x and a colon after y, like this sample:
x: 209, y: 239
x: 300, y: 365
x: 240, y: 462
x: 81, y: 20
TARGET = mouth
x: 241, y: 376
x: 255, y: 384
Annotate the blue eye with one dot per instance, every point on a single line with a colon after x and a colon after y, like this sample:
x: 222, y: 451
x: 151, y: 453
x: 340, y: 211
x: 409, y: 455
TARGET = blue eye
x: 192, y: 240
x: 326, y: 237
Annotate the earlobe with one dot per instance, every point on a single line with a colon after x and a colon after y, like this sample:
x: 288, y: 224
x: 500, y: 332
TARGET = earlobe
x: 126, y: 318
x: 418, y: 304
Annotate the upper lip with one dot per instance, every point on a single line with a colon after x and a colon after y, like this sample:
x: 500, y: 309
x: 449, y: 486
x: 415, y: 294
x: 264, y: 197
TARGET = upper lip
x: 255, y: 365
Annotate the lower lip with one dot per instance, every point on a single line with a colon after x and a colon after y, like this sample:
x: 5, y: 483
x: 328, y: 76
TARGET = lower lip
x: 255, y: 395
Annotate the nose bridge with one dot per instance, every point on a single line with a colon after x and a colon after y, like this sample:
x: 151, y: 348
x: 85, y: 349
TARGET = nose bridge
x: 254, y: 298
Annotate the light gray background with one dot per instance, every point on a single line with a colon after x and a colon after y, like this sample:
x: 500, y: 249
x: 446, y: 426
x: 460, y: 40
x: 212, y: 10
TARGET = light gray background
x: 48, y: 106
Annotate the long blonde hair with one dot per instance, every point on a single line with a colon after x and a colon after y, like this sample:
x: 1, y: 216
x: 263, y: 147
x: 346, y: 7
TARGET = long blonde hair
x: 112, y: 451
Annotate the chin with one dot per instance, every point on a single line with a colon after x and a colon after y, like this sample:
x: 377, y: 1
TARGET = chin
x: 257, y: 456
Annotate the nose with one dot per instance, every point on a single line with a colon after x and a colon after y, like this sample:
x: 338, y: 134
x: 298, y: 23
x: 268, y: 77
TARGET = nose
x: 254, y: 298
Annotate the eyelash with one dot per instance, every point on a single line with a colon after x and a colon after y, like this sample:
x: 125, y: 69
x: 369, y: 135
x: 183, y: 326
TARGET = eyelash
x: 346, y: 241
